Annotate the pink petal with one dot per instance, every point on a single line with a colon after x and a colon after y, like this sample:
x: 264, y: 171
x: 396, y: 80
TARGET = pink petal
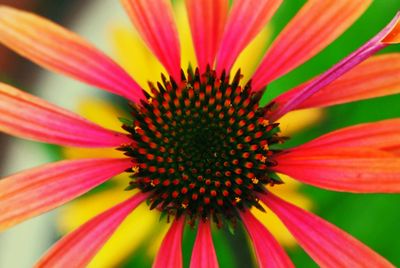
x: 382, y: 135
x: 79, y: 247
x: 246, y: 19
x: 314, y: 27
x: 29, y: 117
x: 376, y: 77
x: 38, y: 190
x: 170, y: 252
x: 207, y: 21
x: 368, y: 49
x: 350, y: 169
x: 268, y: 251
x: 325, y: 243
x: 203, y: 253
x: 59, y: 50
x: 155, y: 22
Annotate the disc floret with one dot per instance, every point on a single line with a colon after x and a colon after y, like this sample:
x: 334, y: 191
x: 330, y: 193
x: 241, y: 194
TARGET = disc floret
x: 202, y: 146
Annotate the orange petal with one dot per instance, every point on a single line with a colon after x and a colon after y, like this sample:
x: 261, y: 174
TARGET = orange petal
x: 383, y: 135
x: 325, y: 243
x: 203, y: 253
x: 313, y: 28
x: 170, y: 252
x: 79, y: 247
x: 38, y: 190
x: 376, y: 77
x: 57, y: 49
x: 155, y: 22
x: 268, y: 251
x: 246, y: 19
x: 394, y: 36
x: 355, y: 169
x: 207, y: 21
x: 26, y: 116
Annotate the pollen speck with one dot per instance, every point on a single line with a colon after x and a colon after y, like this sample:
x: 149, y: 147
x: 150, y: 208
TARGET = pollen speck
x: 135, y: 170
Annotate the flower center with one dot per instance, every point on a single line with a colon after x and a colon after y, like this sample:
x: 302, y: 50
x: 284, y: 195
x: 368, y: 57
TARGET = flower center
x: 202, y: 147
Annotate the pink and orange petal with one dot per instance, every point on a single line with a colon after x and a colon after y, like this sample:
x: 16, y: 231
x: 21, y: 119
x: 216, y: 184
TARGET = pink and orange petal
x: 207, y: 21
x: 170, y: 252
x: 376, y: 77
x: 351, y: 169
x: 203, y: 253
x: 314, y: 27
x: 325, y: 243
x: 82, y: 244
x: 246, y: 19
x: 268, y: 251
x: 30, y: 117
x: 51, y: 48
x: 368, y: 49
x: 158, y: 30
x: 38, y: 190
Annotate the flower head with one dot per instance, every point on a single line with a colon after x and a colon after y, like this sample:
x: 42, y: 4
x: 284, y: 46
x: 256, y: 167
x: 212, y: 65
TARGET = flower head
x: 199, y: 146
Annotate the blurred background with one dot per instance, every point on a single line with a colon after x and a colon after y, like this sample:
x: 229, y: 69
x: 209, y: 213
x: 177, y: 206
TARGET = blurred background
x: 372, y: 218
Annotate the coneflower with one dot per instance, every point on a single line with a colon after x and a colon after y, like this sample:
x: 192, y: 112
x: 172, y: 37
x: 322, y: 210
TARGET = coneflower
x: 199, y: 147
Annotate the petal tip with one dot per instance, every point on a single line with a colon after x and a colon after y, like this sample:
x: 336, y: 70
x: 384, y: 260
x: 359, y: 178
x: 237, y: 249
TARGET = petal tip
x: 393, y: 37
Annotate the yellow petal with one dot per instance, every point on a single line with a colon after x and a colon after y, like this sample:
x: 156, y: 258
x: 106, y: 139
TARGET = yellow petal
x: 300, y: 119
x: 252, y: 54
x: 104, y: 114
x: 187, y: 48
x: 101, y: 112
x: 134, y: 55
x: 153, y: 248
x: 136, y: 229
x: 78, y: 153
